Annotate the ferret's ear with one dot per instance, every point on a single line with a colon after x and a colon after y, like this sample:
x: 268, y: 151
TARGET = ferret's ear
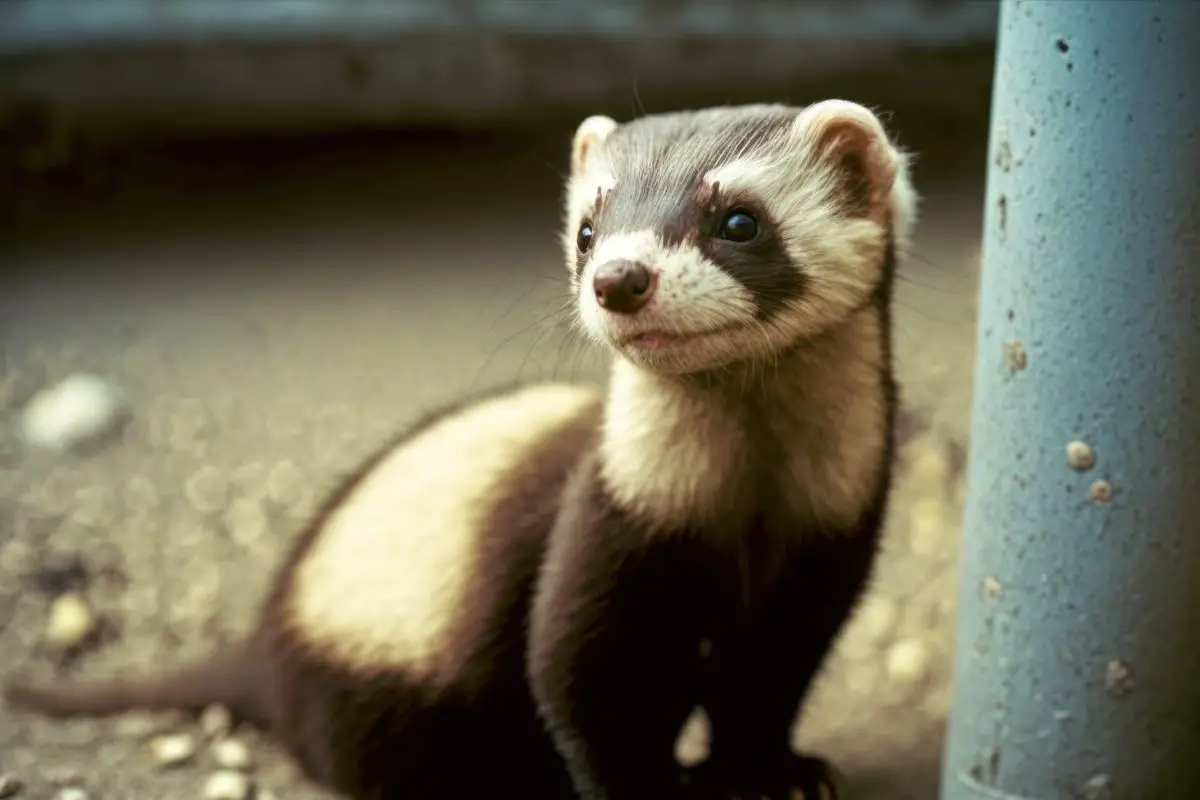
x: 588, y: 136
x: 850, y: 139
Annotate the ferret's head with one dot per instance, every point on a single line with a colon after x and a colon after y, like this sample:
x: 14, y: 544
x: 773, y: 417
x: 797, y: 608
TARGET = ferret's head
x: 704, y: 238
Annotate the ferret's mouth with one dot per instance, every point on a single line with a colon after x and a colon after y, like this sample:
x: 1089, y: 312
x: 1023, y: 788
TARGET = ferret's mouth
x: 663, y: 340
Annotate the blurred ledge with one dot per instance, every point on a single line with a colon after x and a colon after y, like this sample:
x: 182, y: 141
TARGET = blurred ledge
x: 35, y: 26
x: 81, y: 78
x: 211, y: 65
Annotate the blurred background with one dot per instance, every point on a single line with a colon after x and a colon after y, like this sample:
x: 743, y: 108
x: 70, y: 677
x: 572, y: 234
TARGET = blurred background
x: 273, y: 231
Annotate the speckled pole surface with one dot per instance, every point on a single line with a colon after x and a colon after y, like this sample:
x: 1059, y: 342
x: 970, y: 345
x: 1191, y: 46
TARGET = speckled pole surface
x: 1077, y: 670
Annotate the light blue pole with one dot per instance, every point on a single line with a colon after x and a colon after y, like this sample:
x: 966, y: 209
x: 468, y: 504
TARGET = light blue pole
x: 1077, y: 671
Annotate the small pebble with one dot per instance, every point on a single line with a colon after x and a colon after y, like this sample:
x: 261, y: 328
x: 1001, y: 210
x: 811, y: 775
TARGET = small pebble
x: 70, y: 621
x: 10, y: 786
x: 1118, y: 678
x: 930, y: 466
x: 76, y: 410
x: 1097, y: 787
x: 71, y: 793
x: 215, y: 721
x: 1015, y: 357
x: 227, y: 785
x: 206, y: 490
x: 1100, y: 492
x: 231, y: 754
x: 927, y: 528
x: 1080, y: 456
x: 173, y: 749
x: 907, y: 661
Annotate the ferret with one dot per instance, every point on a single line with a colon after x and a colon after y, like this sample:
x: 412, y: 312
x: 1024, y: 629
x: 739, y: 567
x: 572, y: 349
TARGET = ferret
x: 739, y: 263
x: 533, y: 590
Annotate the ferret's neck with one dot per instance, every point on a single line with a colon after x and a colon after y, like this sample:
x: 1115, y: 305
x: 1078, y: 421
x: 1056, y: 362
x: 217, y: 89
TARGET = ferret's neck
x: 812, y: 426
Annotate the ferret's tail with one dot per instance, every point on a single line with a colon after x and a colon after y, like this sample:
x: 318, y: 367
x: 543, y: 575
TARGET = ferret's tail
x: 228, y: 678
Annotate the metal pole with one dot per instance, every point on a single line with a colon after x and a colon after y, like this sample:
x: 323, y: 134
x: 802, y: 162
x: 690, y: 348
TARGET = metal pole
x: 1077, y: 670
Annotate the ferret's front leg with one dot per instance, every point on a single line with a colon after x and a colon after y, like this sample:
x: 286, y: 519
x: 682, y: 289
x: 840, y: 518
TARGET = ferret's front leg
x: 765, y: 670
x: 614, y: 647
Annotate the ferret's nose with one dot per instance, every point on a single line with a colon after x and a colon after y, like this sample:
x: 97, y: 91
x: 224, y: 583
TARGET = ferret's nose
x: 622, y: 286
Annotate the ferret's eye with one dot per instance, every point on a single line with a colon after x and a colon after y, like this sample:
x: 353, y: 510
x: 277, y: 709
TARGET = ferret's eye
x: 738, y: 226
x: 583, y: 239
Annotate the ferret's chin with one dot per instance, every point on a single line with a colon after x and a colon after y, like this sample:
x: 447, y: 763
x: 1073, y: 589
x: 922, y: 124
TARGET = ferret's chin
x: 675, y: 354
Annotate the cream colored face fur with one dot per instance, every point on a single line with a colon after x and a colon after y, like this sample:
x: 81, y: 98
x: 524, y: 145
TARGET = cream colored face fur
x: 790, y: 163
x: 384, y: 583
x: 797, y: 405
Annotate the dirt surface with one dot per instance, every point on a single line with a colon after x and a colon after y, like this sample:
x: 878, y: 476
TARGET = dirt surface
x: 270, y: 312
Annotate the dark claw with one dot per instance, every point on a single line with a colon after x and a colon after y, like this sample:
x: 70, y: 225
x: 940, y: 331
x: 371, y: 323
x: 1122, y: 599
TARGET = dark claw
x: 814, y: 778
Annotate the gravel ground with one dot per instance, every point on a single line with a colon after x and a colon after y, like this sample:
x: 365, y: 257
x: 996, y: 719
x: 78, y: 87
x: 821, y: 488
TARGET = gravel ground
x: 267, y: 314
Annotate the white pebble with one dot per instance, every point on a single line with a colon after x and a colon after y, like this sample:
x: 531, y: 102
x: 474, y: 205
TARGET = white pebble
x: 930, y: 467
x: 227, y: 785
x: 173, y: 749
x: 78, y: 409
x: 908, y: 661
x: 215, y: 721
x: 70, y: 621
x: 231, y: 754
x: 71, y: 793
x: 927, y: 531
